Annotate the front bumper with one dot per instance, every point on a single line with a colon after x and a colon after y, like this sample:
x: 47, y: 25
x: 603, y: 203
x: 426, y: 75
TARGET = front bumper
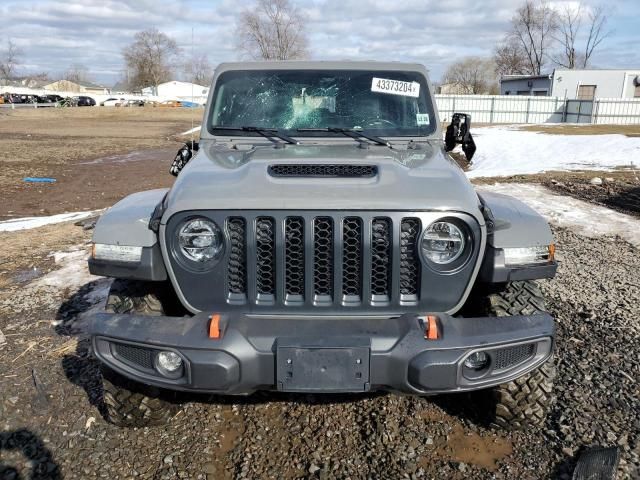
x: 348, y: 354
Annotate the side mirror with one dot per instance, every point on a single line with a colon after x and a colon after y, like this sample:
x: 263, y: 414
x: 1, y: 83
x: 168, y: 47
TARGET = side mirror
x: 459, y: 131
x: 183, y: 156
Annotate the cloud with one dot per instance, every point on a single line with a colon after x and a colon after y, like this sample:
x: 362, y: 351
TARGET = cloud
x: 54, y: 34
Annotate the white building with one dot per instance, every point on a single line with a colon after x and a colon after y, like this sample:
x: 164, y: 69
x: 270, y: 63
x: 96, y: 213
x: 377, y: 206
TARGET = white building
x: 178, y: 91
x: 591, y: 84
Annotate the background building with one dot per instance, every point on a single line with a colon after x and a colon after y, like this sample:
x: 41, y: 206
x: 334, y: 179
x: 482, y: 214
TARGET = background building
x: 591, y: 84
x: 177, y: 90
x: 76, y: 87
x: 575, y: 84
x: 534, y: 85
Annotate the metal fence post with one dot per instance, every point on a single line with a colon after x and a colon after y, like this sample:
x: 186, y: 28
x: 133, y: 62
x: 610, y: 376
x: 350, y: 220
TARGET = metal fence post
x: 493, y: 102
x: 528, y: 106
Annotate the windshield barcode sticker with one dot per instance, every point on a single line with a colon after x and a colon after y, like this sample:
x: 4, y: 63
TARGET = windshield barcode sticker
x: 395, y: 87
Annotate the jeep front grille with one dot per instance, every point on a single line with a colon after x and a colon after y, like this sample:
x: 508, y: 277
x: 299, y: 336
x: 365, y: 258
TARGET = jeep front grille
x: 323, y: 260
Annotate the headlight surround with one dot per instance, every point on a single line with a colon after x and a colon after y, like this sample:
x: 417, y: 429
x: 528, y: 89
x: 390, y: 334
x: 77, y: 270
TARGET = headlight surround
x: 200, y: 241
x: 443, y: 242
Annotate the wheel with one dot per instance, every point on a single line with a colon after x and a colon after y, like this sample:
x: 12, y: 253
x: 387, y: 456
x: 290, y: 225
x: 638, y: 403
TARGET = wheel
x: 524, y: 402
x: 128, y: 403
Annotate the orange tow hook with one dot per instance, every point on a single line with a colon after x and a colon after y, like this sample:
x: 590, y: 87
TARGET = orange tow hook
x: 214, y: 326
x: 431, y: 328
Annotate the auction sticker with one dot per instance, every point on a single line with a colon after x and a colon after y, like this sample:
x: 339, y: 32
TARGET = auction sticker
x: 395, y: 87
x: 422, y: 119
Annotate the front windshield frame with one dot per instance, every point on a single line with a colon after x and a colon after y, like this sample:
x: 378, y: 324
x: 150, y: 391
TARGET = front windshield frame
x: 424, y: 103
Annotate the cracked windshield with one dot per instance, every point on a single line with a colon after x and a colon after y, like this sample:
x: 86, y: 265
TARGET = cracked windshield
x: 380, y: 103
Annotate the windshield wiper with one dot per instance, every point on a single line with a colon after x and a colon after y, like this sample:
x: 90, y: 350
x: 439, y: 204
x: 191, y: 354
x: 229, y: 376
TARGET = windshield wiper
x: 350, y: 132
x: 268, y: 133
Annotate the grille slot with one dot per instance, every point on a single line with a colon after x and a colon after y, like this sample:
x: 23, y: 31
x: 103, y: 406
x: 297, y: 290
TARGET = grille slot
x: 409, y: 260
x: 323, y: 259
x: 512, y: 356
x: 328, y: 260
x: 380, y: 259
x: 139, y: 357
x: 294, y: 259
x: 326, y: 170
x: 237, y: 266
x: 352, y: 259
x: 265, y: 256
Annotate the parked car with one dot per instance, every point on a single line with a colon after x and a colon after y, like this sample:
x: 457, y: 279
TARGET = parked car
x: 322, y: 240
x: 68, y: 102
x: 51, y: 98
x: 84, y: 101
x: 134, y: 103
x: 113, y: 102
x: 170, y: 103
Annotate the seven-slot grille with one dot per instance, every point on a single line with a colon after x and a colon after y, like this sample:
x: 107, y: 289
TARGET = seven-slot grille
x: 323, y: 260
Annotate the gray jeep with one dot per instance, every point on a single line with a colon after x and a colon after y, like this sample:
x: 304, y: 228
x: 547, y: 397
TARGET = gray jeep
x: 322, y: 240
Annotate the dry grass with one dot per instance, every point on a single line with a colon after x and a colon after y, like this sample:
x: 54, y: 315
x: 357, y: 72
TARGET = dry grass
x: 572, y: 129
x: 60, y: 136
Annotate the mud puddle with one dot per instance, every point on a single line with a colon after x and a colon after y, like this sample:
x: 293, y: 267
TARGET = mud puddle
x: 473, y: 449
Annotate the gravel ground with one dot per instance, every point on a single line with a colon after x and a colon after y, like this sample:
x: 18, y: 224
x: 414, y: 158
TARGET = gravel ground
x: 50, y: 419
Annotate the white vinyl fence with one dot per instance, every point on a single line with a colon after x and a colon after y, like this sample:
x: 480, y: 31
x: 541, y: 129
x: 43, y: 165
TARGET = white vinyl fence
x: 521, y: 109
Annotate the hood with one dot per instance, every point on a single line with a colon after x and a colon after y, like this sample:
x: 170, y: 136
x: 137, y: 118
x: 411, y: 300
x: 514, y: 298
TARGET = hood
x: 420, y: 178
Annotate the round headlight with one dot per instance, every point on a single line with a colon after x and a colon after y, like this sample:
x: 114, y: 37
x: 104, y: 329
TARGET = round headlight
x: 200, y: 240
x: 442, y: 243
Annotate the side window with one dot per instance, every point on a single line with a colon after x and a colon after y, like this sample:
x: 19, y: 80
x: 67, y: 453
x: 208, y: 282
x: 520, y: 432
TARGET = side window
x: 586, y: 92
x: 636, y: 93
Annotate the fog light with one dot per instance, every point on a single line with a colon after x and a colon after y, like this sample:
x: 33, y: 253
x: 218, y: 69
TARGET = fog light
x: 477, y: 361
x: 169, y: 364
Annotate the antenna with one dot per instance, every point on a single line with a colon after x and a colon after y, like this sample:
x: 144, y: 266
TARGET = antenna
x: 193, y: 67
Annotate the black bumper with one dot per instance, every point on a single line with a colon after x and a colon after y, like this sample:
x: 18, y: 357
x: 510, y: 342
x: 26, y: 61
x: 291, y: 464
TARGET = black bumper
x: 353, y: 354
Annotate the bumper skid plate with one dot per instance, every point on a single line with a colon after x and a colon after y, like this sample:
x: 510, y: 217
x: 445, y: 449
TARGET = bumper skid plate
x: 321, y: 354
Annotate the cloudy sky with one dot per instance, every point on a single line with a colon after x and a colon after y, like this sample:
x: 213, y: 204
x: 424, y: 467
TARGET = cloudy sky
x: 54, y: 34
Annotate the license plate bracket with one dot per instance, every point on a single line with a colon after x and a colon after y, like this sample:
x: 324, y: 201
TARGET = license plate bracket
x: 322, y: 368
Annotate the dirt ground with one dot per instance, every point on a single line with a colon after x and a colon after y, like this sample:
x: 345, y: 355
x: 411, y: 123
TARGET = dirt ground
x: 85, y: 150
x: 573, y: 129
x: 618, y: 190
x: 51, y: 424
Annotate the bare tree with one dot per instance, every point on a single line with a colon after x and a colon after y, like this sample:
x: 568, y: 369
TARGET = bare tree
x: 569, y: 35
x: 569, y: 21
x: 533, y: 27
x: 77, y: 73
x: 597, y: 32
x: 150, y: 58
x: 472, y: 75
x: 199, y: 70
x: 9, y: 60
x: 272, y: 30
x: 510, y: 59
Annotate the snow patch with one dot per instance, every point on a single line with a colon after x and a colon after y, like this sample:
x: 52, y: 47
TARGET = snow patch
x: 72, y: 272
x: 27, y: 223
x: 193, y: 130
x: 582, y: 217
x: 504, y: 151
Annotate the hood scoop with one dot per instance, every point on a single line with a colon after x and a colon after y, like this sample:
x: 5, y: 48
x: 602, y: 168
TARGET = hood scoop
x: 323, y: 170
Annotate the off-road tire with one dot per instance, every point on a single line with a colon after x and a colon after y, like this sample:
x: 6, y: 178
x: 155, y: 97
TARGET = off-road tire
x: 127, y: 403
x: 524, y: 402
